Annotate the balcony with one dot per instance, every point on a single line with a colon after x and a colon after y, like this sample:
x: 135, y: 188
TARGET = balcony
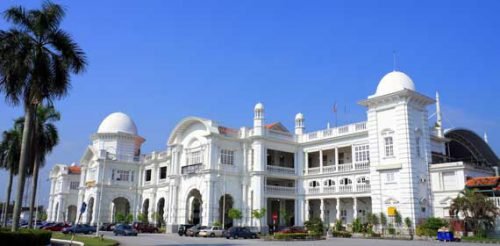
x: 192, y: 169
x: 334, y: 132
x: 346, y: 167
x: 280, y: 170
x: 326, y: 190
x: 279, y: 190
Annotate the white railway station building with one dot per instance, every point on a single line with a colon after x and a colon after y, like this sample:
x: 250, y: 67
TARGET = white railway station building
x: 396, y: 159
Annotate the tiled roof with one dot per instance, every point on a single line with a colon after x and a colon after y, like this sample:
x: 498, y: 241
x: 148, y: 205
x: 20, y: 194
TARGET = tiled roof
x: 483, y: 182
x: 74, y: 170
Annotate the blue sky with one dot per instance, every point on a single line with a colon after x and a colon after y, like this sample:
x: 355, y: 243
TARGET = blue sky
x: 160, y: 61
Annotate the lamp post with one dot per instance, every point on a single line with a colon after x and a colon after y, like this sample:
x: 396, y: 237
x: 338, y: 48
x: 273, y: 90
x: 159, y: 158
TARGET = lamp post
x: 100, y: 194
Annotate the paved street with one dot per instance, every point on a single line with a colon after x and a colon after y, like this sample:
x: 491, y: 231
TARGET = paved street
x: 174, y: 239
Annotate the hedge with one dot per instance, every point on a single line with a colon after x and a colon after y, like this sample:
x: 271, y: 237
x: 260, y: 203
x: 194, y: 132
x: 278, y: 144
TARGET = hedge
x: 341, y: 234
x: 25, y: 237
x: 289, y: 236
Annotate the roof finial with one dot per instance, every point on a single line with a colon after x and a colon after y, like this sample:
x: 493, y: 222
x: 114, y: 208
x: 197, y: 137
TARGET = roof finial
x: 394, y: 61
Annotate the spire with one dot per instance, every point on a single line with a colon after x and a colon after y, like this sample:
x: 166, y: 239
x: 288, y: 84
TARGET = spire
x: 485, y: 137
x: 439, y: 122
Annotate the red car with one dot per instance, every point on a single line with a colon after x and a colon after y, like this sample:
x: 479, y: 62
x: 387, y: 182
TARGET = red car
x: 143, y: 227
x: 293, y: 229
x: 56, y: 227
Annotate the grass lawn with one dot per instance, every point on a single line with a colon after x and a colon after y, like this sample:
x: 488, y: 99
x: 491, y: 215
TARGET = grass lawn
x: 87, y: 240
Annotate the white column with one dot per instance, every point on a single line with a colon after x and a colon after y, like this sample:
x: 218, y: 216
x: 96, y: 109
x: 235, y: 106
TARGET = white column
x: 306, y: 162
x: 322, y: 210
x: 355, y: 208
x: 321, y: 161
x: 336, y: 159
x: 338, y: 208
x: 352, y: 157
x: 308, y: 208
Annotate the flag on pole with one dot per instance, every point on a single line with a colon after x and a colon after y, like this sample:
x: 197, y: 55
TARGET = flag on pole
x: 335, y: 107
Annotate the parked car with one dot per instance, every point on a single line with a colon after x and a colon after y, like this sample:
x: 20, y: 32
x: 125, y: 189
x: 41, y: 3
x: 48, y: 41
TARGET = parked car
x: 183, y: 228
x: 56, y: 227
x: 107, y: 227
x: 214, y: 231
x: 144, y: 227
x: 125, y: 230
x: 195, y: 230
x: 293, y: 229
x: 237, y: 232
x: 85, y: 229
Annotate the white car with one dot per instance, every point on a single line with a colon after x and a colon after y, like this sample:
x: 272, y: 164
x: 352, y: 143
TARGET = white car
x: 214, y: 231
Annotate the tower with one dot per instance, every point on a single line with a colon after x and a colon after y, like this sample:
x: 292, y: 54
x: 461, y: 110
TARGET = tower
x: 399, y: 147
x: 299, y: 124
x: 258, y: 120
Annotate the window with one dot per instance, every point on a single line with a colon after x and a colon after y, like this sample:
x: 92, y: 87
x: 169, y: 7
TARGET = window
x: 74, y: 185
x: 389, y: 147
x: 122, y: 175
x: 163, y: 172
x: 148, y: 175
x: 363, y: 180
x: 329, y: 183
x: 361, y: 153
x: 449, y: 181
x: 314, y: 183
x: 194, y: 157
x: 389, y: 177
x: 417, y: 145
x: 345, y: 181
x: 341, y: 158
x: 227, y: 157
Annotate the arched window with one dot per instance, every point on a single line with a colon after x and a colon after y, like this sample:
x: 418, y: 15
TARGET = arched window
x: 363, y: 180
x: 329, y: 183
x: 345, y: 181
x: 314, y: 183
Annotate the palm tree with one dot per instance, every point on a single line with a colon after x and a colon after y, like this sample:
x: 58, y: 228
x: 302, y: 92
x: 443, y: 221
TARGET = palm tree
x: 10, y: 149
x: 478, y: 211
x: 45, y: 138
x: 36, y: 60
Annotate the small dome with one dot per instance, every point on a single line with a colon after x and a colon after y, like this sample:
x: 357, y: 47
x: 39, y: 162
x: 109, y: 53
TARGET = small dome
x: 118, y: 122
x: 259, y: 106
x: 299, y: 116
x: 394, y: 81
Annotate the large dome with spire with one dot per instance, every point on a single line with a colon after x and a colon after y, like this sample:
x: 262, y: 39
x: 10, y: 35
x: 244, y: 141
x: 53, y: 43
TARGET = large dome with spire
x: 394, y: 81
x: 118, y: 122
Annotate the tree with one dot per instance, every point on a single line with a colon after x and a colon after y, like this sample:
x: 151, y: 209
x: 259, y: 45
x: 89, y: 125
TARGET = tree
x: 408, y: 224
x: 383, y: 221
x: 398, y: 220
x: 286, y: 216
x: 259, y: 214
x: 142, y: 218
x: 36, y: 60
x: 45, y: 138
x: 10, y: 149
x: 314, y: 226
x: 234, y: 214
x: 478, y: 211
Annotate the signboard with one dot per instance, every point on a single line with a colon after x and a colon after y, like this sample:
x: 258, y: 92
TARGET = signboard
x: 275, y: 216
x: 391, y: 211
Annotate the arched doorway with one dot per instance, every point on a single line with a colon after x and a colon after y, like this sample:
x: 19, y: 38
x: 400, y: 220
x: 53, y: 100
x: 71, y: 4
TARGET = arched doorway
x: 225, y: 204
x: 194, y: 203
x: 160, y: 211
x: 90, y: 210
x: 145, y: 210
x: 56, y: 213
x: 71, y: 214
x: 121, y: 209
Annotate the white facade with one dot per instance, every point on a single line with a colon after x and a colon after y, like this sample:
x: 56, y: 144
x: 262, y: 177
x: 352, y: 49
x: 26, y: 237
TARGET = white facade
x: 336, y: 173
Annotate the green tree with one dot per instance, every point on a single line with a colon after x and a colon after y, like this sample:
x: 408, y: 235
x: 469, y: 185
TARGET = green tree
x: 142, y: 218
x: 338, y: 225
x: 478, y: 211
x: 409, y: 225
x: 314, y: 226
x: 10, y: 149
x: 36, y: 60
x: 383, y: 221
x: 357, y: 226
x: 398, y: 220
x: 234, y: 214
x: 45, y: 138
x: 286, y: 216
x: 259, y: 214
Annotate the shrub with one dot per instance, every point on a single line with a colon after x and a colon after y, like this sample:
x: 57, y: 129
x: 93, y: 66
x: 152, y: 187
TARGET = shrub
x: 392, y: 230
x: 357, y: 226
x: 25, y: 237
x: 289, y: 236
x: 374, y: 234
x: 341, y: 234
x: 430, y: 227
x: 338, y: 225
x: 314, y: 226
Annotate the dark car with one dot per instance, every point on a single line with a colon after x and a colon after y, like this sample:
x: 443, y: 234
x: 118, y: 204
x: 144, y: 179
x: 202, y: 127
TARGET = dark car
x: 183, y: 229
x: 107, y: 227
x: 237, y: 232
x: 195, y: 230
x: 144, y: 227
x: 56, y: 227
x: 85, y: 229
x: 293, y: 229
x: 125, y: 230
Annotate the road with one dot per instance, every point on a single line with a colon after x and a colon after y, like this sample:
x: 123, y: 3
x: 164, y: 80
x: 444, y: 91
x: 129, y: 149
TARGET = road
x: 174, y: 239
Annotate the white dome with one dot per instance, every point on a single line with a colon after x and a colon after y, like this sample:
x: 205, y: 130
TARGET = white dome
x: 394, y: 81
x: 117, y: 122
x: 259, y: 106
x: 299, y: 116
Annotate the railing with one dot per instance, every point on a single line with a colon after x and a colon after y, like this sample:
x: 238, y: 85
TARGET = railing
x: 314, y: 190
x: 192, y: 169
x: 280, y: 170
x: 496, y: 201
x: 329, y: 169
x: 345, y: 167
x: 345, y: 188
x: 362, y: 165
x: 333, y: 132
x: 329, y: 189
x: 314, y: 170
x: 280, y: 190
x: 362, y: 187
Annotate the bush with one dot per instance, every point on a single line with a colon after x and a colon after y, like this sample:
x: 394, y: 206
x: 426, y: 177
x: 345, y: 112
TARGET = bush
x: 314, y: 226
x: 289, y: 236
x: 392, y: 230
x: 25, y: 237
x: 430, y: 227
x: 341, y: 234
x: 357, y: 226
x: 374, y: 234
x: 338, y: 225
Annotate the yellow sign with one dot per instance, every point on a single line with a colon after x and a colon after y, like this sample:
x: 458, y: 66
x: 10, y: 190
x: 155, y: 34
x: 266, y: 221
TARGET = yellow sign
x: 90, y: 183
x: 391, y: 211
